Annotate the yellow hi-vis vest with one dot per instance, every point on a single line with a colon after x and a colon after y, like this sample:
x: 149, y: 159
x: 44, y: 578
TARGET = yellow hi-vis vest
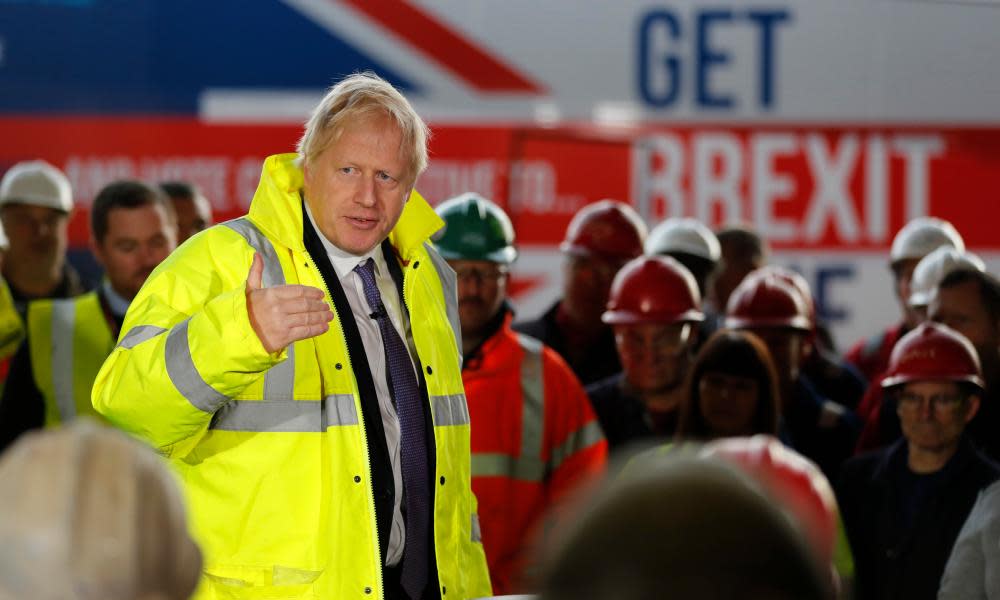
x: 11, y: 328
x: 69, y: 340
x: 271, y: 448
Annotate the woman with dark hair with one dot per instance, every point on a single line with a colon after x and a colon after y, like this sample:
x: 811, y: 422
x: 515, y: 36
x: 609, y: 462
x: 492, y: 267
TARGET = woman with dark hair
x: 732, y: 389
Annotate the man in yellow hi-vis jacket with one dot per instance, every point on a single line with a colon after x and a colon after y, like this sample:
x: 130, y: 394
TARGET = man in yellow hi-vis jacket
x: 325, y: 454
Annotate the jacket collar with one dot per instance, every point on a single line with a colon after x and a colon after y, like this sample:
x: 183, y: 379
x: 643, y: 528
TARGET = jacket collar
x: 497, y: 326
x: 277, y: 210
x: 896, y: 455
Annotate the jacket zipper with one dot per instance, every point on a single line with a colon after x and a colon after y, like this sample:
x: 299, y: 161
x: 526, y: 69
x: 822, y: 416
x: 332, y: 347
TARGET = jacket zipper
x: 368, y: 460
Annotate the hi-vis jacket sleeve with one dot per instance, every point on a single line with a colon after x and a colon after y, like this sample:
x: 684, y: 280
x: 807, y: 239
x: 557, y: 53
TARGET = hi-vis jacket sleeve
x: 186, y: 346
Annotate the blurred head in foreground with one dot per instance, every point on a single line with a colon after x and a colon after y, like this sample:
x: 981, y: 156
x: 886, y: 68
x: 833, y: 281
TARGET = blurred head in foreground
x: 698, y: 528
x: 91, y: 514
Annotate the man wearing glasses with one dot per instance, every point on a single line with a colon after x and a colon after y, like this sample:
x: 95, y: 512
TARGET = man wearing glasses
x: 654, y: 309
x: 903, y: 506
x: 534, y: 435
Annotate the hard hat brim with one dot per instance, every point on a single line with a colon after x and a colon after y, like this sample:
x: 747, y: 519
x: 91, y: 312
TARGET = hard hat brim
x: 505, y: 255
x: 897, y: 380
x: 628, y: 317
x: 800, y: 323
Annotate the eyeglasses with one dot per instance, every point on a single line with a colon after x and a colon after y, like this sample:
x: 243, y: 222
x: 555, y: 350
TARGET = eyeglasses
x: 939, y: 402
x: 481, y: 274
x: 671, y: 338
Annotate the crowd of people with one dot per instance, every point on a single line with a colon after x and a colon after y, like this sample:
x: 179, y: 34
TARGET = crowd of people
x: 352, y: 407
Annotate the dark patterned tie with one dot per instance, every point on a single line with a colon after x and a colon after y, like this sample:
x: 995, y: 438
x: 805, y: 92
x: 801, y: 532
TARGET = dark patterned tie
x: 405, y: 392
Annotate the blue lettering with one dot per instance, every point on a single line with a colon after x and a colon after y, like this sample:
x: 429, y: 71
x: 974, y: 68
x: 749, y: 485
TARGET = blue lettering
x: 708, y: 57
x: 661, y: 62
x: 825, y: 278
x: 664, y: 62
x: 767, y: 20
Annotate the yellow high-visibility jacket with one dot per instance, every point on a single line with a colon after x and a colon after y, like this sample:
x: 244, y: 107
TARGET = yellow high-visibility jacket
x: 271, y: 448
x: 11, y: 329
x: 69, y: 339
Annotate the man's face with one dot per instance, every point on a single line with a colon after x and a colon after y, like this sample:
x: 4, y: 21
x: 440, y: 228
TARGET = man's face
x: 587, y: 285
x: 357, y: 187
x: 192, y: 216
x: 903, y: 272
x: 933, y: 414
x: 961, y: 308
x: 654, y: 356
x: 38, y: 235
x: 482, y: 287
x: 137, y: 240
x: 787, y: 348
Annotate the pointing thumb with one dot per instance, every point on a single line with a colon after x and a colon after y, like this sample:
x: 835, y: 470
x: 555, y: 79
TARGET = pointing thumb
x: 256, y: 276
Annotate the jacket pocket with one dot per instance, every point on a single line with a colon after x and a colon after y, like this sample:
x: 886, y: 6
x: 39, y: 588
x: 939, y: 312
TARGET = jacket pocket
x: 240, y: 582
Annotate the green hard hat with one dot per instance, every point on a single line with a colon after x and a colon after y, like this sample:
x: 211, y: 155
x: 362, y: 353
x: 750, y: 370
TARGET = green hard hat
x: 475, y: 229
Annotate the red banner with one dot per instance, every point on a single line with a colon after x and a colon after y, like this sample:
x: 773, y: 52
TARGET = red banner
x: 810, y: 187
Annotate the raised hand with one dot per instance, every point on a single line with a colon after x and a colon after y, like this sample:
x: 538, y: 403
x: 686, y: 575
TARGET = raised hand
x: 284, y: 314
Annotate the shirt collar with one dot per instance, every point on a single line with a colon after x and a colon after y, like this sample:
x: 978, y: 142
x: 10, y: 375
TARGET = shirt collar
x: 343, y: 262
x: 117, y: 304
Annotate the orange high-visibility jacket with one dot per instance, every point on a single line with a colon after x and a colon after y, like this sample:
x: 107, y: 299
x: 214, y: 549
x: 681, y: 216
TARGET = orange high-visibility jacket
x: 534, y: 439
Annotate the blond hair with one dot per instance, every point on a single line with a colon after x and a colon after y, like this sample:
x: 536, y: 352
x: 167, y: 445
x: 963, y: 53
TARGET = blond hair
x: 359, y: 96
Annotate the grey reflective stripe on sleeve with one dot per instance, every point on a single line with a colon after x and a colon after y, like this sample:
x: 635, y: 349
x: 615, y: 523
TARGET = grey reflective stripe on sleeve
x: 532, y: 397
x: 63, y: 322
x: 286, y: 416
x: 477, y: 532
x: 582, y: 438
x: 138, y: 335
x: 279, y: 381
x: 449, y: 284
x: 273, y: 275
x: 526, y: 468
x: 185, y: 376
x: 450, y: 410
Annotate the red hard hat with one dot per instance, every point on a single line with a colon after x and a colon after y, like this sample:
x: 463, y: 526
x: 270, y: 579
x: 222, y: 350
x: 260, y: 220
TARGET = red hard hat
x: 767, y: 300
x: 796, y: 280
x: 653, y: 289
x: 791, y: 480
x: 933, y: 352
x: 606, y: 228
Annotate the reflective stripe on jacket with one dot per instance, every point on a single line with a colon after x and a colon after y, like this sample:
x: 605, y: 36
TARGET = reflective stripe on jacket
x: 69, y: 340
x: 270, y: 447
x: 535, y: 439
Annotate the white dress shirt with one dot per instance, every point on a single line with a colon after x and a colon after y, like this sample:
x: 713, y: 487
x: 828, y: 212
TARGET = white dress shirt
x: 343, y: 264
x: 116, y: 302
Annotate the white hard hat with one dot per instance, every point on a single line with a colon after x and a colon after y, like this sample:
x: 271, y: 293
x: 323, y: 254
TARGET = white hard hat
x: 683, y: 235
x: 37, y: 183
x: 933, y: 268
x: 923, y: 235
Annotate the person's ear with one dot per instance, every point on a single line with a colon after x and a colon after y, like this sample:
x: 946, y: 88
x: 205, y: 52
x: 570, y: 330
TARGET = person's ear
x: 808, y: 347
x: 694, y: 337
x: 972, y: 408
